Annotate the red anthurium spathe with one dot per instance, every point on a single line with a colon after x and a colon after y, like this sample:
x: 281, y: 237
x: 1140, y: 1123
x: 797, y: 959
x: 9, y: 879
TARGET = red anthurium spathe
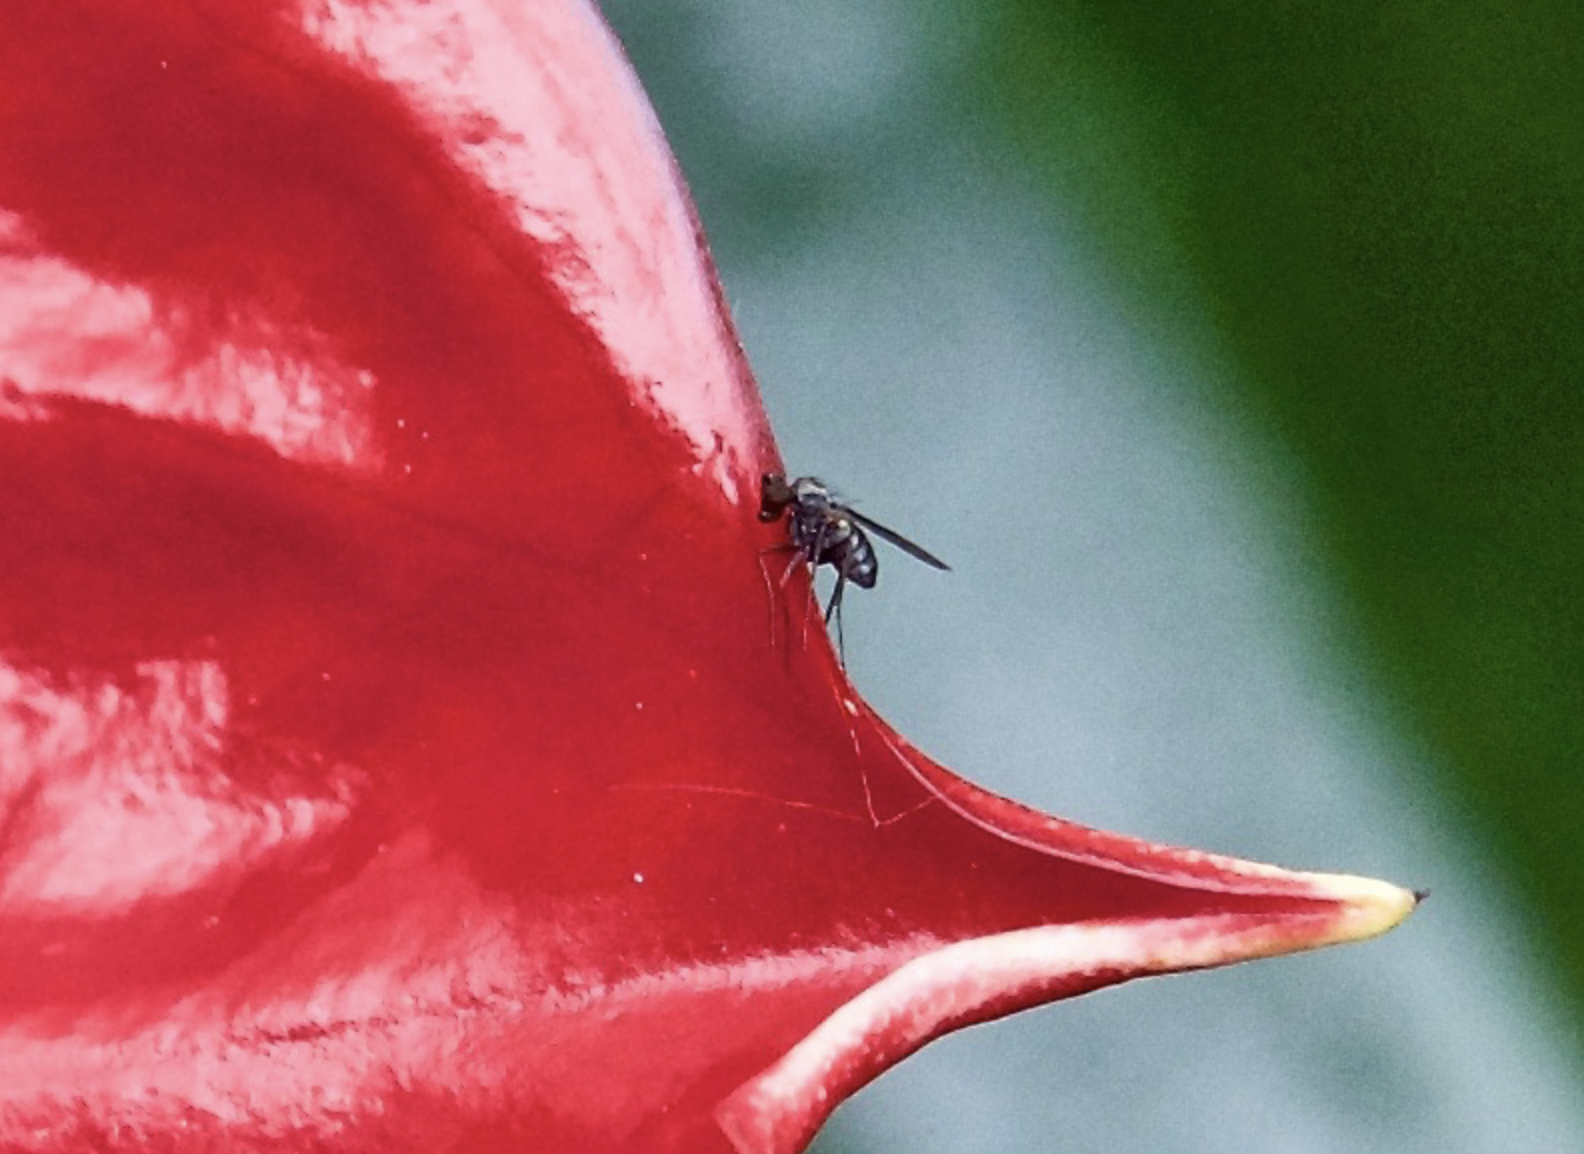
x: 402, y: 743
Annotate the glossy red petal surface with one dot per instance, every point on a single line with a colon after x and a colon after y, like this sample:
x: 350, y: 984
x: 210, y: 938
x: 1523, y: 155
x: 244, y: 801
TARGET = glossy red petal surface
x: 402, y: 745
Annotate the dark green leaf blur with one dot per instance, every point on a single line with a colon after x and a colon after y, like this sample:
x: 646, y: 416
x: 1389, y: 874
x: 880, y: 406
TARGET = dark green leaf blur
x: 1384, y: 206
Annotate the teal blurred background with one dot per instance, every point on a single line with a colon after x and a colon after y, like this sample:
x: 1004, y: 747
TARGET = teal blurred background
x: 1236, y: 363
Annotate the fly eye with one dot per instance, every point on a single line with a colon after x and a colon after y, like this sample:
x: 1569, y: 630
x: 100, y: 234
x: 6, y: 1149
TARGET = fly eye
x: 774, y: 496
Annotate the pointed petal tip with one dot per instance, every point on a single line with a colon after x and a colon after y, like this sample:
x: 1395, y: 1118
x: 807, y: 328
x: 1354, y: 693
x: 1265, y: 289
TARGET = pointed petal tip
x: 963, y: 982
x: 1369, y: 907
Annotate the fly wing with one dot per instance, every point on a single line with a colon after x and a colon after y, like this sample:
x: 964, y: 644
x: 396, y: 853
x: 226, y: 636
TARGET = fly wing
x: 897, y: 539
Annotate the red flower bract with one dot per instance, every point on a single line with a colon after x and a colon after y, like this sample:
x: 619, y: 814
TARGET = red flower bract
x: 402, y: 743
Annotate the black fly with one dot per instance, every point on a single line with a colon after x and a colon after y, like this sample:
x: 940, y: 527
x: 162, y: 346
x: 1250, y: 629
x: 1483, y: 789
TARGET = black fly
x: 827, y: 532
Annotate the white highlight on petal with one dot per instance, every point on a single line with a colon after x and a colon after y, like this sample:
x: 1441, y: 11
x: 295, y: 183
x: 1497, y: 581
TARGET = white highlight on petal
x: 284, y: 389
x: 115, y: 793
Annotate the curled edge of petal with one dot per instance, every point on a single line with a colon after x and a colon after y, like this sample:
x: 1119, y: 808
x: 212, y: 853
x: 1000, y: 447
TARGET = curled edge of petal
x: 779, y: 1110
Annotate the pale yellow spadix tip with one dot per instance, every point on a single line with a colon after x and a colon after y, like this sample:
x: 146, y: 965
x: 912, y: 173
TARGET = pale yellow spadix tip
x: 1371, y: 906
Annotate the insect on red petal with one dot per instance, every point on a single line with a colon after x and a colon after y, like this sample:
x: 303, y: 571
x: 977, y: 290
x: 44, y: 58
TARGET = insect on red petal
x: 379, y: 768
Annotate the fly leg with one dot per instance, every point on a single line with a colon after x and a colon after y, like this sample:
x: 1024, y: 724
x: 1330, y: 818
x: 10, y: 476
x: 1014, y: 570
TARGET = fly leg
x: 775, y: 587
x: 815, y: 552
x: 834, y: 610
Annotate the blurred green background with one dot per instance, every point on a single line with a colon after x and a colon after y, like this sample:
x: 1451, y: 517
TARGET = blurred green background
x: 1234, y: 356
x: 1382, y: 208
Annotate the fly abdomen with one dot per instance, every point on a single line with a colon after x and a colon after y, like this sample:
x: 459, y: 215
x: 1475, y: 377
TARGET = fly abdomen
x: 859, y: 565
